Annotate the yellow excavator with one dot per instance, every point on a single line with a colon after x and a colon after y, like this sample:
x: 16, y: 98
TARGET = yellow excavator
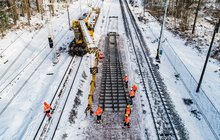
x: 78, y: 46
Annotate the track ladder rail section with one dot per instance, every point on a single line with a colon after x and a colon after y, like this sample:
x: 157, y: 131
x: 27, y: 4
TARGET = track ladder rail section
x: 161, y: 117
x: 120, y: 66
x: 110, y: 77
x: 113, y: 94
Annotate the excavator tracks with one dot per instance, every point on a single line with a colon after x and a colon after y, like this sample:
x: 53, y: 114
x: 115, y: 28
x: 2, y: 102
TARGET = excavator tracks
x: 113, y: 96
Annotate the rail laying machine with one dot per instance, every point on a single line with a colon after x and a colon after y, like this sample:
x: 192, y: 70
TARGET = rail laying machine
x: 83, y: 29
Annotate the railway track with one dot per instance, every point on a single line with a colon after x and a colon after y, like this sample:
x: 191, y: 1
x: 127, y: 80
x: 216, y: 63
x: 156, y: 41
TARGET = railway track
x: 167, y: 124
x: 45, y: 125
x: 113, y: 95
x: 6, y: 81
x: 25, y: 66
x: 3, y: 77
x: 207, y: 119
x: 5, y: 73
x: 27, y: 79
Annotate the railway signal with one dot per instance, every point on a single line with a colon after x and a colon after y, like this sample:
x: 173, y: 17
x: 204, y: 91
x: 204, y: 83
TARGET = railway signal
x: 54, y: 59
x: 50, y: 41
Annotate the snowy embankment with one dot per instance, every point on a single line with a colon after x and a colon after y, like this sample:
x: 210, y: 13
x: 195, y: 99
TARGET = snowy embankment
x: 22, y: 100
x: 186, y: 64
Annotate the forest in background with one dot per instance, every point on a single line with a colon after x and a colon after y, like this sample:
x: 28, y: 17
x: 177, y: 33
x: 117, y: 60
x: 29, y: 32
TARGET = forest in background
x: 183, y: 16
x: 13, y: 10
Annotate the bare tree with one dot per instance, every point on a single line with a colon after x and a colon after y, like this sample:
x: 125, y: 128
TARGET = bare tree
x: 197, y: 11
x: 13, y: 11
x: 38, y: 7
x: 27, y: 9
x: 51, y: 7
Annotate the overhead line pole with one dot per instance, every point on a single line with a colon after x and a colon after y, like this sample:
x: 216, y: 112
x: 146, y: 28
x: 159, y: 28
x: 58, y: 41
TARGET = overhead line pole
x: 197, y: 11
x: 67, y: 8
x: 161, y: 32
x: 208, y: 54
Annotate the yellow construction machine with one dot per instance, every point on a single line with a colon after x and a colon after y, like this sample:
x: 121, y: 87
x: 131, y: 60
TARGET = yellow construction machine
x: 79, y: 44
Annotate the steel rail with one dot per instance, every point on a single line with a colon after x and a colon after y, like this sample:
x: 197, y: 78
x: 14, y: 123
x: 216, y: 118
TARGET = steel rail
x: 70, y: 89
x: 58, y: 93
x: 26, y: 81
x: 26, y: 46
x: 29, y: 63
x: 185, y: 85
x: 113, y: 94
x: 140, y: 39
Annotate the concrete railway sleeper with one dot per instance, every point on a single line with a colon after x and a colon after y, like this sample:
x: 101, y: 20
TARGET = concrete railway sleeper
x: 113, y: 95
x: 45, y: 124
x: 164, y: 121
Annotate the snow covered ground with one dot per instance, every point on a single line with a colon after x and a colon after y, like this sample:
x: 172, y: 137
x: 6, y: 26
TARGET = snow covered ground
x: 186, y: 63
x: 28, y: 78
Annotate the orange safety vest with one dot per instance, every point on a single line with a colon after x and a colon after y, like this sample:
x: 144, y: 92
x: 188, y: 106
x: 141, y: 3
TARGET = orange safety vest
x: 128, y: 110
x: 101, y: 55
x: 99, y: 111
x: 132, y: 93
x: 126, y: 78
x: 47, y: 107
x: 127, y: 119
x: 134, y: 87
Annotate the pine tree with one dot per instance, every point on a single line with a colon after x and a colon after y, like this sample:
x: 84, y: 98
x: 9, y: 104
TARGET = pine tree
x: 3, y: 22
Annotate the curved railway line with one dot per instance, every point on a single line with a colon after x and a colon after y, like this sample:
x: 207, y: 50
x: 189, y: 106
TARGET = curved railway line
x: 45, y: 123
x: 159, y: 102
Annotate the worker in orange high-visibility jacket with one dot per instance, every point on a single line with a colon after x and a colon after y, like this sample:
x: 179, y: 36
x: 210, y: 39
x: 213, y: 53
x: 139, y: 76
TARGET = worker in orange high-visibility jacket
x: 98, y: 113
x: 125, y: 79
x: 47, y: 109
x: 128, y: 110
x: 126, y: 121
x: 131, y: 95
x: 101, y: 55
x: 134, y: 88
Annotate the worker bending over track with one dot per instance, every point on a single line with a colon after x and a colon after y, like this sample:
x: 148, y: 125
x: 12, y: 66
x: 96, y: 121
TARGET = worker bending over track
x: 47, y: 109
